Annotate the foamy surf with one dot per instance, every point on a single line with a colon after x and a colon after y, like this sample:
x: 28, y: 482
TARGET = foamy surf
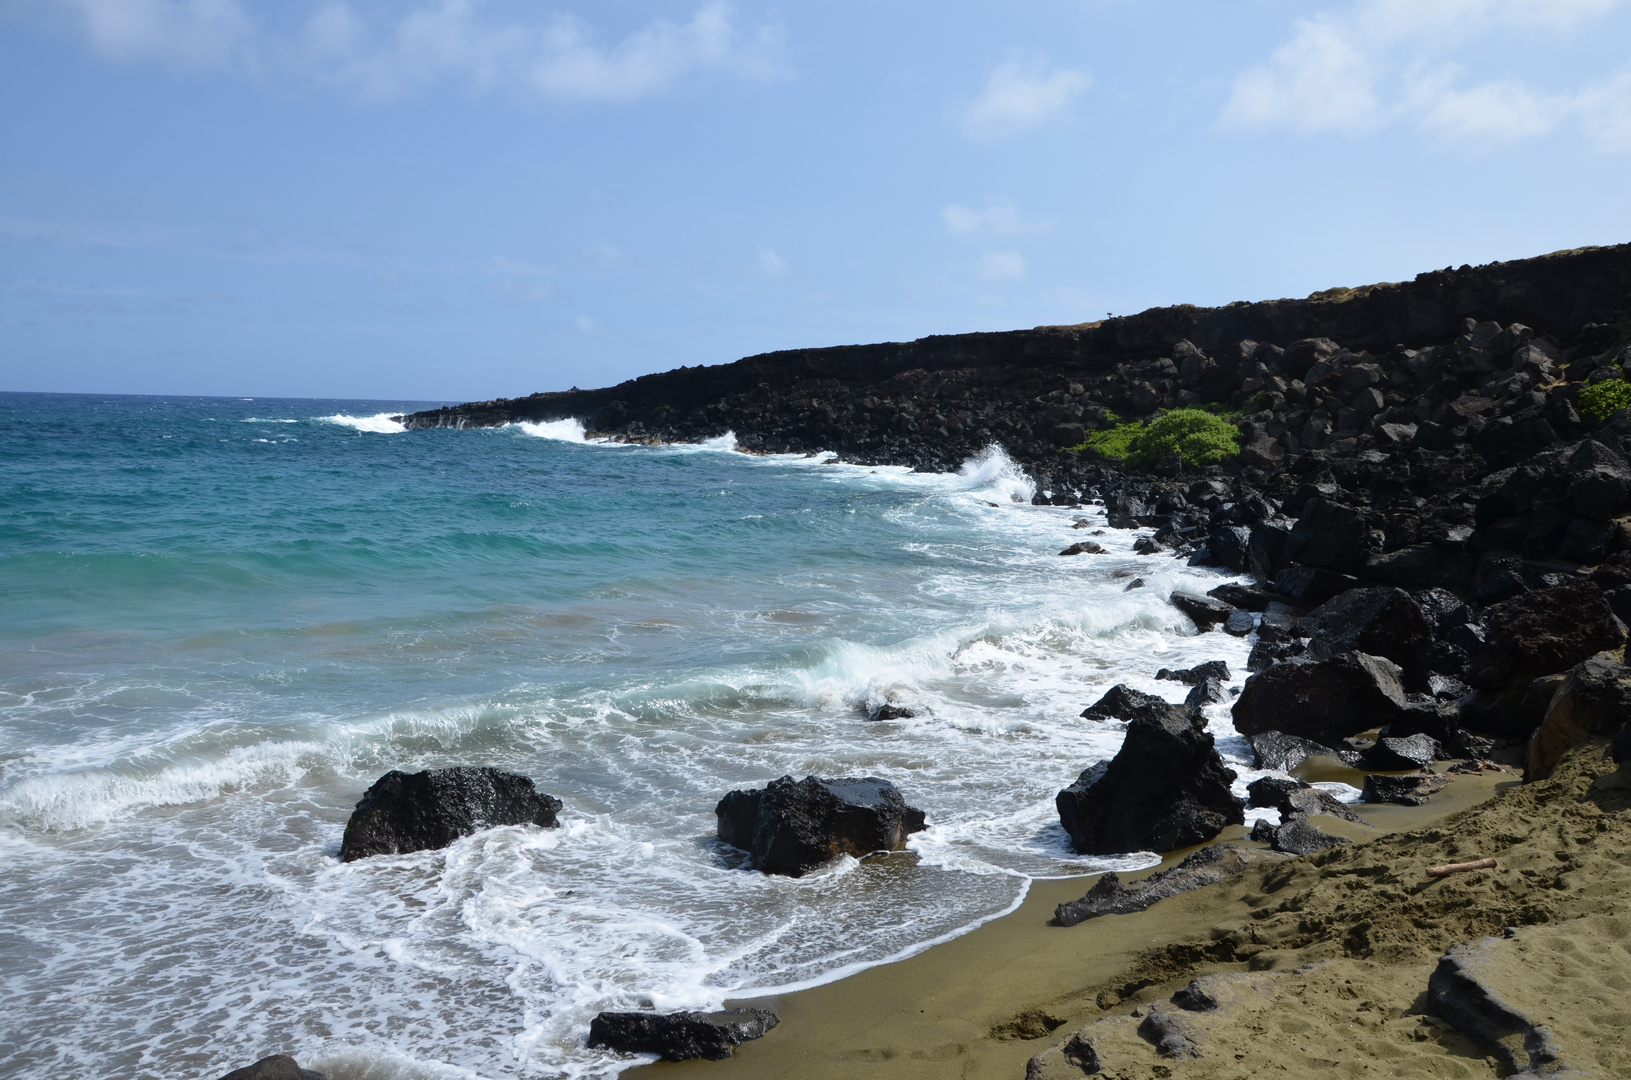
x: 568, y: 430
x: 380, y: 424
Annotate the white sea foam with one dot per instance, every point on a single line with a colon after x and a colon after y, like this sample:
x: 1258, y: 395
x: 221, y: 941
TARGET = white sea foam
x: 568, y: 430
x: 378, y: 424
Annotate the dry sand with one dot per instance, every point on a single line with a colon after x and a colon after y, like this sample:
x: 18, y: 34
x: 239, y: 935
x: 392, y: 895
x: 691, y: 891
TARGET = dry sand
x: 1322, y: 961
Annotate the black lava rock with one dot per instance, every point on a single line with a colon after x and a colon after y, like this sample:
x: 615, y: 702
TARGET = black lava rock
x: 680, y: 1036
x: 1122, y: 702
x: 1544, y: 632
x: 1404, y: 790
x: 1165, y: 789
x: 791, y: 827
x: 1377, y: 621
x: 1395, y: 754
x: 421, y: 811
x: 1323, y: 700
x: 276, y: 1067
x: 1281, y: 752
x: 1212, y: 669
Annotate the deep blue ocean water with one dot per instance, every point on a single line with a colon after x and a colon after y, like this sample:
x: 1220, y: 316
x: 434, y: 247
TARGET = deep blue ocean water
x: 222, y: 619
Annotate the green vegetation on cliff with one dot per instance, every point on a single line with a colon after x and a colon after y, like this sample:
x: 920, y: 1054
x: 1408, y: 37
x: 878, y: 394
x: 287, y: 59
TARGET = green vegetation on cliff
x: 1597, y: 401
x: 1195, y: 435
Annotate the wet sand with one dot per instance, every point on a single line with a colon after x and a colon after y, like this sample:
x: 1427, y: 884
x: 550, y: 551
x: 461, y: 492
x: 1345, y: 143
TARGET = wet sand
x: 983, y: 1004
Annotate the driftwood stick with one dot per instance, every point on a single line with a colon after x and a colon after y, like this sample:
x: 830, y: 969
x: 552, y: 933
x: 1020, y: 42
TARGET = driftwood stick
x: 1460, y: 867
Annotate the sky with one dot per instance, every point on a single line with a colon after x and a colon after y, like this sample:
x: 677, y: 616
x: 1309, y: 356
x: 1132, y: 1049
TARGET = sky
x: 450, y: 200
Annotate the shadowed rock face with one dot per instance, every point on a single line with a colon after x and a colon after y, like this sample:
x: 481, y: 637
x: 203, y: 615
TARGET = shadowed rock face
x: 1165, y: 789
x: 791, y: 827
x: 1541, y: 633
x: 405, y: 812
x: 680, y: 1036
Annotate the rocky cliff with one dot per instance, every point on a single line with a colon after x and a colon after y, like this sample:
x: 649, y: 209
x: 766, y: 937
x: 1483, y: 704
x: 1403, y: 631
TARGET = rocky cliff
x: 933, y: 402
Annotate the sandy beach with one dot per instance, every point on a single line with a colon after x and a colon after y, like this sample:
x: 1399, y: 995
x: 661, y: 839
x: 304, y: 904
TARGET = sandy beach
x: 1329, y: 954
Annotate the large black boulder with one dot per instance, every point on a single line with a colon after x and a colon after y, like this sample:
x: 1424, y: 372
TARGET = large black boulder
x: 1543, y: 633
x: 1322, y: 700
x: 791, y: 827
x: 422, y: 811
x: 275, y: 1067
x: 1378, y: 621
x: 1166, y: 788
x: 680, y: 1036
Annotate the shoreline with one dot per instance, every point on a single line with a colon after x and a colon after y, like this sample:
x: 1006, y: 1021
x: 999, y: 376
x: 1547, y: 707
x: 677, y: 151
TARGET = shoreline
x: 938, y: 1012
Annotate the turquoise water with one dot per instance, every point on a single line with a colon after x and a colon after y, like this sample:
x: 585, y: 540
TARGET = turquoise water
x: 221, y: 619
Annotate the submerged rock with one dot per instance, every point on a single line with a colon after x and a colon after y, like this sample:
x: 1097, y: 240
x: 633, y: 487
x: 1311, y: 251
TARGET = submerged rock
x: 275, y: 1067
x: 680, y: 1036
x: 405, y: 812
x: 791, y: 827
x: 1296, y: 835
x: 1166, y: 788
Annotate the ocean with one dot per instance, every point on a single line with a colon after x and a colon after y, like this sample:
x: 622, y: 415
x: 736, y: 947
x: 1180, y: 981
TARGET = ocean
x: 222, y: 619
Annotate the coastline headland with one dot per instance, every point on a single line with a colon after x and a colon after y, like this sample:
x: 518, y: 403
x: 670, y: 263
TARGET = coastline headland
x: 1428, y: 484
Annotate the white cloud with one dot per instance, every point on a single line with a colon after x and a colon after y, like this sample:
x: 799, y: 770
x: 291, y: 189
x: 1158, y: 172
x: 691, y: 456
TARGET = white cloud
x: 183, y: 33
x: 586, y: 325
x: 1002, y: 266
x: 998, y: 218
x: 766, y: 263
x: 1022, y: 93
x: 553, y: 57
x: 1382, y: 62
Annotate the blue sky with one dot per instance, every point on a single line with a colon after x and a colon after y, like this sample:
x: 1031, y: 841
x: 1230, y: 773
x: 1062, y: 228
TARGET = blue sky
x: 454, y: 199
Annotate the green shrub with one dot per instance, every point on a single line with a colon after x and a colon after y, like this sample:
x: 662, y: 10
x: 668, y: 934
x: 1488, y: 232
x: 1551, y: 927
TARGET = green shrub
x: 1597, y: 401
x: 1116, y: 442
x: 1195, y: 435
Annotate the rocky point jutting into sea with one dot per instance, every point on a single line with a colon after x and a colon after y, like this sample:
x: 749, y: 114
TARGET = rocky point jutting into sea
x: 1433, y: 496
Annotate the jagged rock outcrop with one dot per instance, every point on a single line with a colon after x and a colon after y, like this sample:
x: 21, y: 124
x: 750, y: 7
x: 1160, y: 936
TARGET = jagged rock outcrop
x: 791, y: 827
x: 406, y: 812
x: 680, y: 1036
x: 1166, y: 788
